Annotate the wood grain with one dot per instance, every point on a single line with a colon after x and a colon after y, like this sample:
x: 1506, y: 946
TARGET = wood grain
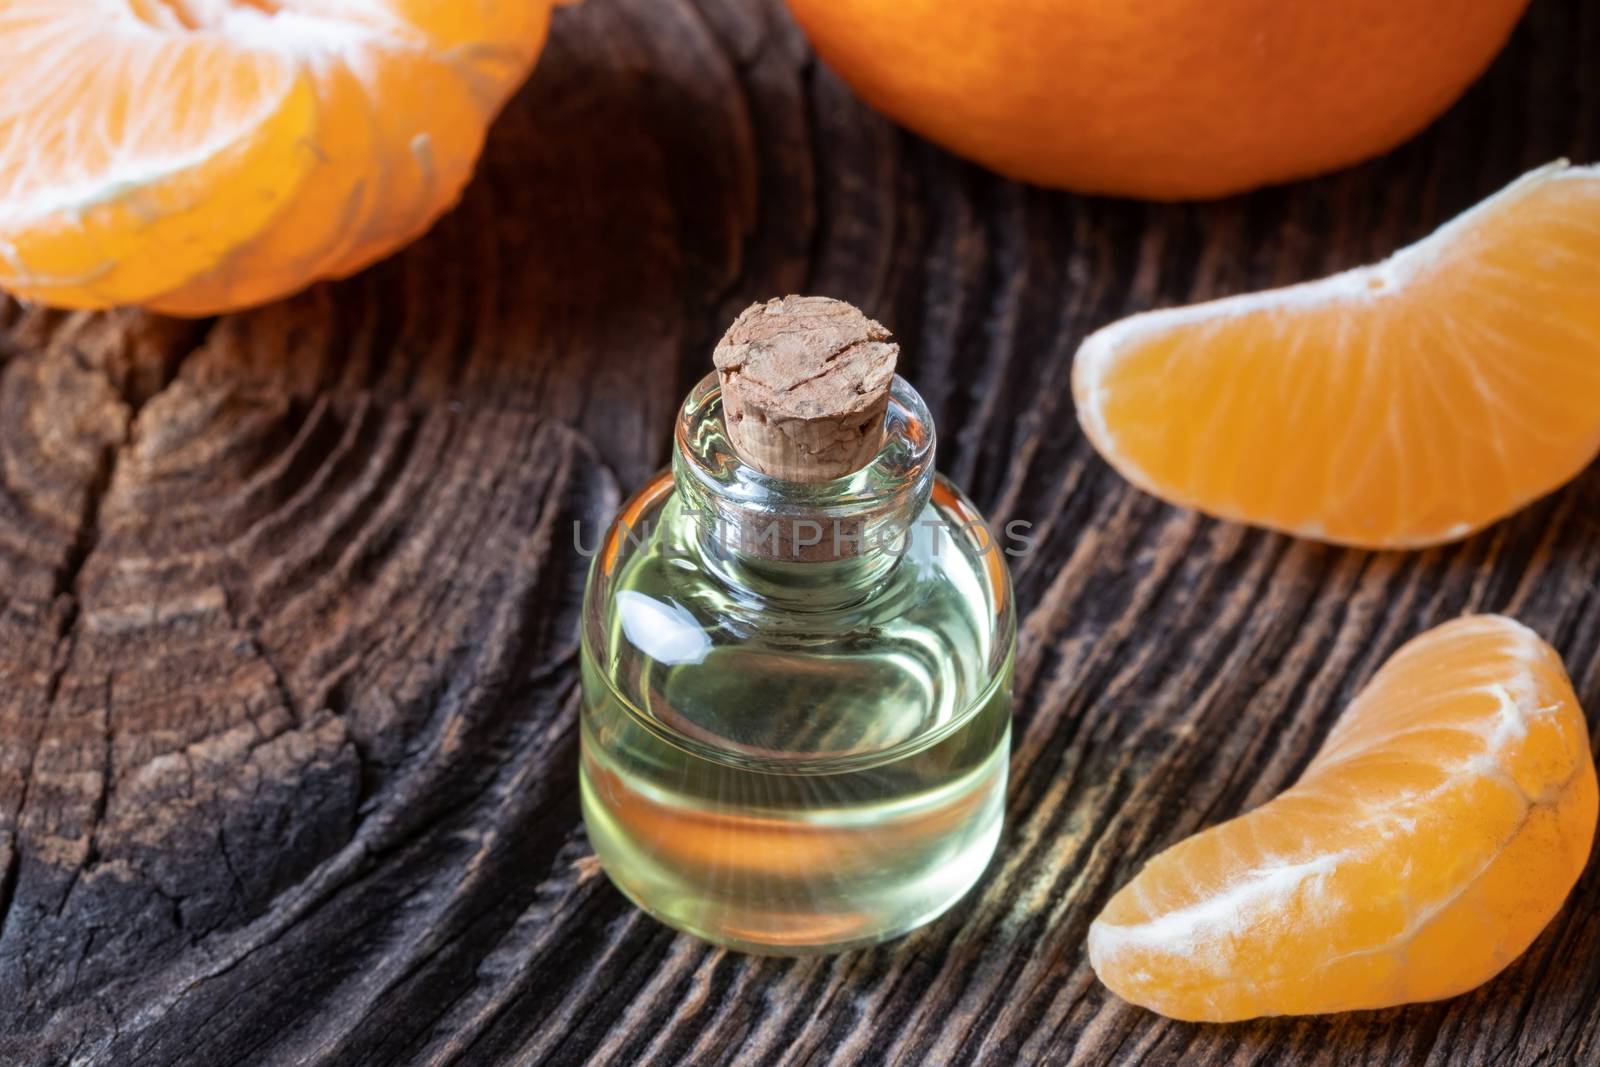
x: 288, y: 599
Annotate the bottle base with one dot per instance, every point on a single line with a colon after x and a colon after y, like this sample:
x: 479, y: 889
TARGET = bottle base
x: 820, y: 908
x: 788, y: 949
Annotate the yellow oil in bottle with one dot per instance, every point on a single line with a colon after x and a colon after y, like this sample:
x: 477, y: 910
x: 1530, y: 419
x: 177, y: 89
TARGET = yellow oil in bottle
x: 802, y: 759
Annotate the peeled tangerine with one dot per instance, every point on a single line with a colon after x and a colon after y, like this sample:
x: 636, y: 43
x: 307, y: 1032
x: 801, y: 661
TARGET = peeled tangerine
x: 1396, y: 405
x: 195, y: 156
x: 1435, y: 833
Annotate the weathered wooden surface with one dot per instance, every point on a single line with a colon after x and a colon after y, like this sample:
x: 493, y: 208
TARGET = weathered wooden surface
x: 287, y: 600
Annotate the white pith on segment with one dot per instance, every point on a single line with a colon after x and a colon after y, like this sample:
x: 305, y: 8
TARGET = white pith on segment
x: 152, y: 145
x: 1207, y: 924
x: 1364, y: 292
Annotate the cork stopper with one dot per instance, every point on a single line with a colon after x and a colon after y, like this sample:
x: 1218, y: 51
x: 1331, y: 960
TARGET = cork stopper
x: 805, y: 384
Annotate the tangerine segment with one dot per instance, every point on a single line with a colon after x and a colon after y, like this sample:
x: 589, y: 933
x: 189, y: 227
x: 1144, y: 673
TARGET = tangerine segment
x: 195, y: 156
x: 1402, y: 404
x: 1434, y: 834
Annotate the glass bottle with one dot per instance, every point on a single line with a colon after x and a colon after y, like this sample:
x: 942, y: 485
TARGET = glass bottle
x: 796, y: 695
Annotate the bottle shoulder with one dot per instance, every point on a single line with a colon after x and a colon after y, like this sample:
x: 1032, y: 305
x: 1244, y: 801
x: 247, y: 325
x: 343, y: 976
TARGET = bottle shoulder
x: 946, y: 555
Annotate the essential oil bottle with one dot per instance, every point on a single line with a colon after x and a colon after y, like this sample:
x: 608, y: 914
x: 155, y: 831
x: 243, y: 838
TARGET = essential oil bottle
x: 797, y: 655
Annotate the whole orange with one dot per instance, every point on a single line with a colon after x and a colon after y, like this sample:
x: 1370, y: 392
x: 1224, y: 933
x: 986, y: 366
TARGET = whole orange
x: 1166, y: 99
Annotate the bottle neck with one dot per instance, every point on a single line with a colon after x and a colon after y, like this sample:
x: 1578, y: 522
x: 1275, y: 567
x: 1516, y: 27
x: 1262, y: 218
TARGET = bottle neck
x: 816, y: 544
